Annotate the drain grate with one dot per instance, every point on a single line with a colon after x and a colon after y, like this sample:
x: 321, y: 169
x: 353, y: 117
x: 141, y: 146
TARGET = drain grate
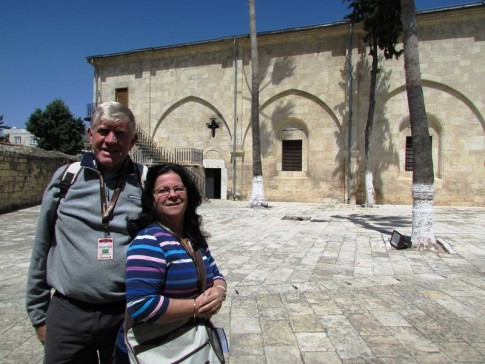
x: 296, y: 218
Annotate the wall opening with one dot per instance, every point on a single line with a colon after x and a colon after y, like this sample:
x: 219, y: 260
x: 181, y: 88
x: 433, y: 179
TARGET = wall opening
x: 213, y: 183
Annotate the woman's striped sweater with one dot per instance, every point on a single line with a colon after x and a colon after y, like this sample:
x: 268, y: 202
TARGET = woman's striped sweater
x: 158, y: 268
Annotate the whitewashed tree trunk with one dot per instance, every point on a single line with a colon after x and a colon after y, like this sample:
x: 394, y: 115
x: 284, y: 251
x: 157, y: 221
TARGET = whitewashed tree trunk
x: 369, y: 189
x: 257, y: 195
x: 369, y: 179
x: 422, y: 234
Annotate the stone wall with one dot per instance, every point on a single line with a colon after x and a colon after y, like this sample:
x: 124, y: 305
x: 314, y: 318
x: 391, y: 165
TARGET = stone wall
x: 25, y: 173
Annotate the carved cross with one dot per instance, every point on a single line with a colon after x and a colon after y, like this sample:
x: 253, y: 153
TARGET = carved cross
x: 213, y: 125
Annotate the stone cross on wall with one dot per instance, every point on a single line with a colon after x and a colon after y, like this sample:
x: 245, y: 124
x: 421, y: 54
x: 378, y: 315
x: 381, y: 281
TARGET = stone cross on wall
x: 213, y: 125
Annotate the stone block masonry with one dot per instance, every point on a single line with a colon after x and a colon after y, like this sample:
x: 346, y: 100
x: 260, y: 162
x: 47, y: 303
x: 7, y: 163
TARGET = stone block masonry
x: 24, y: 174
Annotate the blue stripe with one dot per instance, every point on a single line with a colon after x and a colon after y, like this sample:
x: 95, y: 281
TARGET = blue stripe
x: 143, y: 308
x: 144, y: 246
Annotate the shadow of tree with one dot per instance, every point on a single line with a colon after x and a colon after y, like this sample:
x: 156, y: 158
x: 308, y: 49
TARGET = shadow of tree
x: 383, y: 151
x: 282, y: 69
x: 381, y: 224
x: 383, y: 144
x: 344, y: 111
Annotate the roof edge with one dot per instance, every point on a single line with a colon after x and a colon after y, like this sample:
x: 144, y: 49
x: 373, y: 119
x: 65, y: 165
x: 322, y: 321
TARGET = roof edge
x: 89, y: 59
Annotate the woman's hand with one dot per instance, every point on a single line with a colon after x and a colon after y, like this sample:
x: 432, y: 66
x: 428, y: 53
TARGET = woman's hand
x: 210, y: 302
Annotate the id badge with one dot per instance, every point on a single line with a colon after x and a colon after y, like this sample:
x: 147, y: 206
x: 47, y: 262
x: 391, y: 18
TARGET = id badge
x: 105, y: 248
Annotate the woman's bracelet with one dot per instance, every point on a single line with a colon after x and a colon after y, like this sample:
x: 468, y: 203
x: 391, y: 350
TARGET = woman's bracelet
x: 194, y: 309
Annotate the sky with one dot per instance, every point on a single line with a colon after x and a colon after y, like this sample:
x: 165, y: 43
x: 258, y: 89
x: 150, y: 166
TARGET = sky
x: 44, y: 43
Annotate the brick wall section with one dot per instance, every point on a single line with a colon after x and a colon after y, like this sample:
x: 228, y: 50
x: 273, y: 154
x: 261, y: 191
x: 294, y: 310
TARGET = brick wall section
x: 24, y: 174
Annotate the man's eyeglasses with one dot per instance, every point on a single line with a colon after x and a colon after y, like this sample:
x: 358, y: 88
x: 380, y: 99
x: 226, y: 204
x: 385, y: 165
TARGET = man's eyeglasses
x: 165, y: 191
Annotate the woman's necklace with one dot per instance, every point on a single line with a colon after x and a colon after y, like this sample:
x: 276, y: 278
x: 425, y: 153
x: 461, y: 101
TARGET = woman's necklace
x: 184, y: 241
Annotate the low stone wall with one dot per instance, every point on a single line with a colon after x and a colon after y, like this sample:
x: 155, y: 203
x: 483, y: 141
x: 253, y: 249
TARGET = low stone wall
x: 24, y: 174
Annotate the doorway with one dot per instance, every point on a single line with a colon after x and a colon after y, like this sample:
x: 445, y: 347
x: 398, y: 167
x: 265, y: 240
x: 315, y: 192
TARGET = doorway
x: 213, y: 183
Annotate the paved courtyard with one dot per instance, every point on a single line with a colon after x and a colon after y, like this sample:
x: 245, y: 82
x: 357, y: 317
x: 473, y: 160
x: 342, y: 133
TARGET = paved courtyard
x: 313, y: 283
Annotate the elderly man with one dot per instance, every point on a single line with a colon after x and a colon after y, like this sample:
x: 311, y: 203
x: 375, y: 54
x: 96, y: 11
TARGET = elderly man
x: 75, y: 289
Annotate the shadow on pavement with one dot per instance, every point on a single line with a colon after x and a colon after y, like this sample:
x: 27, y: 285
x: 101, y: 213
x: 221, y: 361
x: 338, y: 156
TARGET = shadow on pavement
x: 381, y: 224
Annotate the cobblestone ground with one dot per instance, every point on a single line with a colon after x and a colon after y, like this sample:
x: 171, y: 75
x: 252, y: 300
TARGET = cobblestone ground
x: 313, y: 283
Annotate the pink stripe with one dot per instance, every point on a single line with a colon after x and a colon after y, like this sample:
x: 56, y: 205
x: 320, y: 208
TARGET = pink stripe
x: 167, y: 243
x: 157, y: 308
x: 147, y: 258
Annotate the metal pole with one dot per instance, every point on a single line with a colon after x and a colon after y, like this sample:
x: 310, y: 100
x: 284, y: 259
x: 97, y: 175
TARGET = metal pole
x: 235, y: 124
x: 349, y: 191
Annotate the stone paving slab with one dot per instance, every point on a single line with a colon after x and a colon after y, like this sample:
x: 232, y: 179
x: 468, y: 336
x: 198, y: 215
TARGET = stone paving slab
x: 312, y: 283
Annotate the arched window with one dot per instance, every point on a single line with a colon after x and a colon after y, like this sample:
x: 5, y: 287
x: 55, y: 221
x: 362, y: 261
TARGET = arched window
x: 436, y: 137
x: 292, y: 149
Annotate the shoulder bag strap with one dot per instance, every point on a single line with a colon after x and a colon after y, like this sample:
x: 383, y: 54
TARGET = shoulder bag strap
x: 198, y: 261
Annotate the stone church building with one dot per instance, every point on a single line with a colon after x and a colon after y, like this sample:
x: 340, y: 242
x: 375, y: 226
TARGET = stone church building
x: 314, y: 90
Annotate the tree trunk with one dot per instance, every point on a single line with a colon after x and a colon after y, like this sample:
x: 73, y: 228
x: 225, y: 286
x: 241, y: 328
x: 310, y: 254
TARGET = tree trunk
x: 257, y: 194
x: 369, y: 179
x: 422, y: 236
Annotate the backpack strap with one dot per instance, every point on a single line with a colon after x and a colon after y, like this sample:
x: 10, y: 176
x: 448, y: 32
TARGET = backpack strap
x: 142, y: 171
x: 68, y: 177
x: 72, y: 170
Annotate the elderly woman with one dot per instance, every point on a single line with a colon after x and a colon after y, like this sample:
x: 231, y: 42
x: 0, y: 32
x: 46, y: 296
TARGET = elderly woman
x: 164, y: 282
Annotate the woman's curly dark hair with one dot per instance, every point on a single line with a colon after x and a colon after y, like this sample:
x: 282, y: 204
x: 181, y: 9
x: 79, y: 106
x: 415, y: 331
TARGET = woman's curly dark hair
x: 192, y: 220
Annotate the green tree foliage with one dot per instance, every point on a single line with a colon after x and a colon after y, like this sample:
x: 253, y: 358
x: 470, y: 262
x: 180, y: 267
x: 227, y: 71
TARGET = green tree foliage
x: 55, y: 128
x: 3, y: 137
x: 382, y: 24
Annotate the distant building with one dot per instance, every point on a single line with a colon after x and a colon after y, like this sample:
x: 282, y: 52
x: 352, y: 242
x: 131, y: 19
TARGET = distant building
x: 20, y: 137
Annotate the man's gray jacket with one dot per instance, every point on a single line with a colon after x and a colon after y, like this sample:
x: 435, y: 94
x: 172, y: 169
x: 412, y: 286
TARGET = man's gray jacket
x: 67, y: 260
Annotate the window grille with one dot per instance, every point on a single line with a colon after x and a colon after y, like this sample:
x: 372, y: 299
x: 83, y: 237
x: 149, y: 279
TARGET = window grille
x: 409, y: 162
x: 292, y: 155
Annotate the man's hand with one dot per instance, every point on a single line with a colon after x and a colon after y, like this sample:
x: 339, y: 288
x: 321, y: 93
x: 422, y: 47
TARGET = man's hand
x: 40, y: 331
